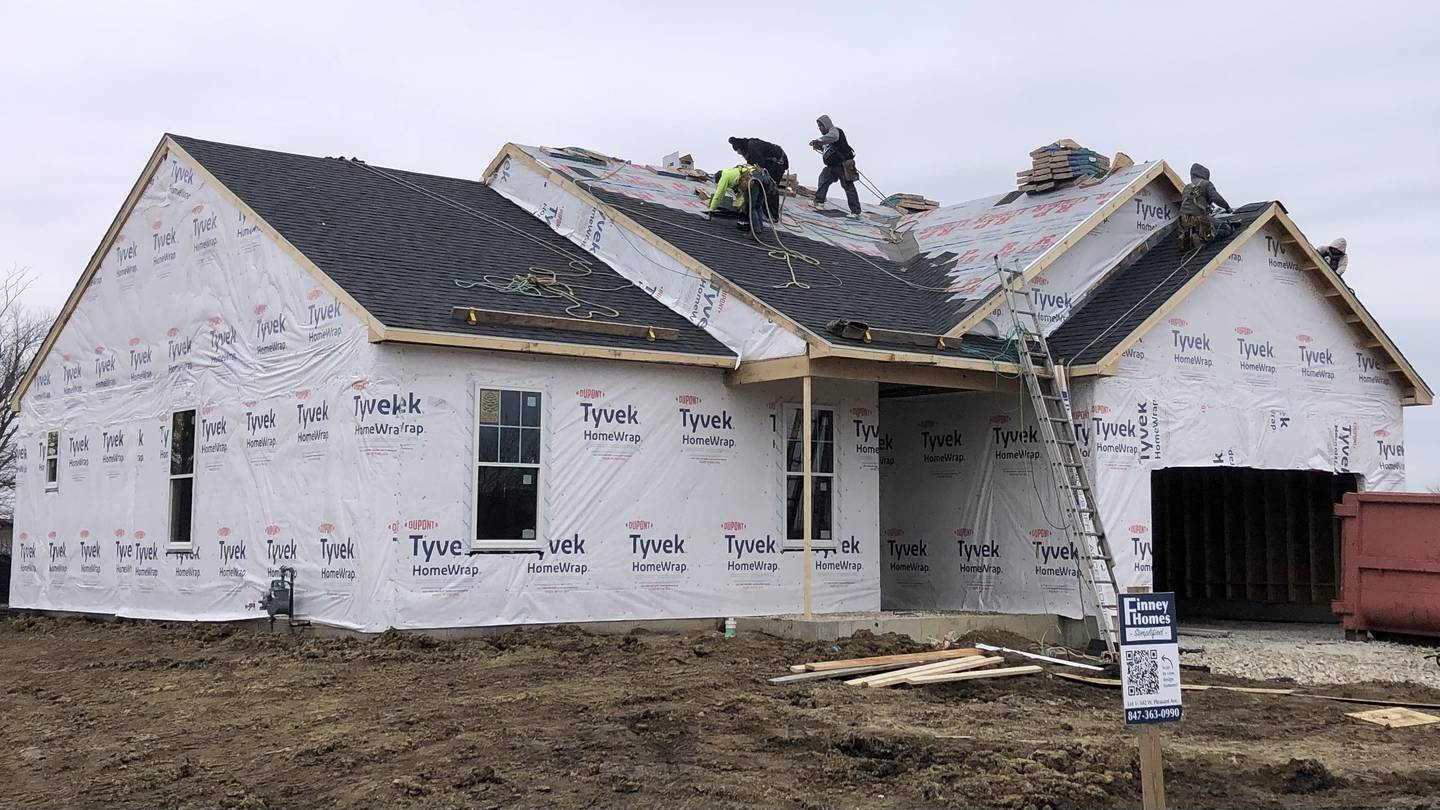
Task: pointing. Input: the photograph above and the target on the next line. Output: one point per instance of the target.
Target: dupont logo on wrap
(204, 228)
(1392, 454)
(1190, 347)
(977, 557)
(655, 552)
(214, 432)
(941, 446)
(163, 244)
(619, 424)
(1141, 546)
(1371, 371)
(323, 315)
(140, 355)
(1278, 256)
(703, 427)
(89, 554)
(868, 441)
(312, 419)
(177, 349)
(338, 557)
(269, 330)
(223, 339)
(136, 556)
(1013, 442)
(387, 415)
(1055, 556)
(1133, 435)
(904, 555)
(1343, 436)
(126, 253)
(1316, 362)
(231, 551)
(106, 365)
(749, 553)
(1256, 356)
(434, 558)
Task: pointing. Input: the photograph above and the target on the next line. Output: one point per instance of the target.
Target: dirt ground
(151, 715)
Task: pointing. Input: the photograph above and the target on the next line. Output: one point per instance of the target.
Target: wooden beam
(499, 344)
(806, 461)
(477, 315)
(779, 368)
(951, 677)
(1076, 234)
(844, 368)
(898, 660)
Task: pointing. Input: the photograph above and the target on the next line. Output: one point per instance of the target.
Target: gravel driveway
(1307, 653)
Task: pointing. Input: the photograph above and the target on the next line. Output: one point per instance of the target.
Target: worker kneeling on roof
(755, 195)
(1197, 224)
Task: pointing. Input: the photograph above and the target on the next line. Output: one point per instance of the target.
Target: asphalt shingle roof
(1123, 301)
(399, 251)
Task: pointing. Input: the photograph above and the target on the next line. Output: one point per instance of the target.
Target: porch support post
(808, 480)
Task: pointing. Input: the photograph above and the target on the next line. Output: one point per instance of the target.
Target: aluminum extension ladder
(1050, 399)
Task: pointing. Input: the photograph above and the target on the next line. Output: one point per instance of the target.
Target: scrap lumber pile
(790, 185)
(684, 166)
(909, 669)
(910, 203)
(1061, 164)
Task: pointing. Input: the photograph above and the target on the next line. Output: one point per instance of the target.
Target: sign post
(1150, 680)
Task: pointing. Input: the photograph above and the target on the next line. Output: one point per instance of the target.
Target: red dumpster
(1390, 562)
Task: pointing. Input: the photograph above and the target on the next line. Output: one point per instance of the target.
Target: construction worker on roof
(764, 154)
(753, 190)
(839, 160)
(1197, 223)
(1334, 255)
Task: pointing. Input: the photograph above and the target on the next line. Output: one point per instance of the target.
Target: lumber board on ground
(945, 668)
(848, 672)
(923, 669)
(950, 677)
(1115, 683)
(1395, 717)
(901, 658)
(1373, 702)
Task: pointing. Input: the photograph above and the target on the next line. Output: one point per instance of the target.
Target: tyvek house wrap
(351, 461)
(748, 332)
(1253, 369)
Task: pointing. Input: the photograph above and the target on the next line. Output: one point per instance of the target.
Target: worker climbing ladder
(1050, 399)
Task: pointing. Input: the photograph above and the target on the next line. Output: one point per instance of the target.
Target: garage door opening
(1239, 543)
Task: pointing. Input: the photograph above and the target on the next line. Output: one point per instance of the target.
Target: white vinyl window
(508, 434)
(822, 476)
(182, 476)
(52, 461)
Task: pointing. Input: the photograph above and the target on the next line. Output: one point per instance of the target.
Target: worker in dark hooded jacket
(1197, 224)
(764, 154)
(839, 160)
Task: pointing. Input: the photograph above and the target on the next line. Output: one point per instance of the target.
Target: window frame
(788, 412)
(51, 484)
(171, 476)
(512, 545)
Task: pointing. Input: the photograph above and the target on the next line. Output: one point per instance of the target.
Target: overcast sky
(1332, 108)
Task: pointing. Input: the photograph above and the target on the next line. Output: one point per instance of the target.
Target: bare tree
(22, 330)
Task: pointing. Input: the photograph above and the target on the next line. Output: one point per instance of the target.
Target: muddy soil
(153, 715)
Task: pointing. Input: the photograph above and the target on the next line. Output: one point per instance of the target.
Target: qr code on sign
(1142, 671)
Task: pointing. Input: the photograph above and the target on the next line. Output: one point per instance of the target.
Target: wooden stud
(594, 327)
(1152, 769)
(901, 659)
(808, 484)
(951, 677)
(499, 344)
(901, 675)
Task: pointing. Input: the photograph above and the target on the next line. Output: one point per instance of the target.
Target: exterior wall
(352, 462)
(1255, 369)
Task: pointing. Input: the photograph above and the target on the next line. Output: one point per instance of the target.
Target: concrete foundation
(918, 625)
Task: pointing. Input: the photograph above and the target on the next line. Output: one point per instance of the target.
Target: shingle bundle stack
(909, 203)
(1061, 164)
